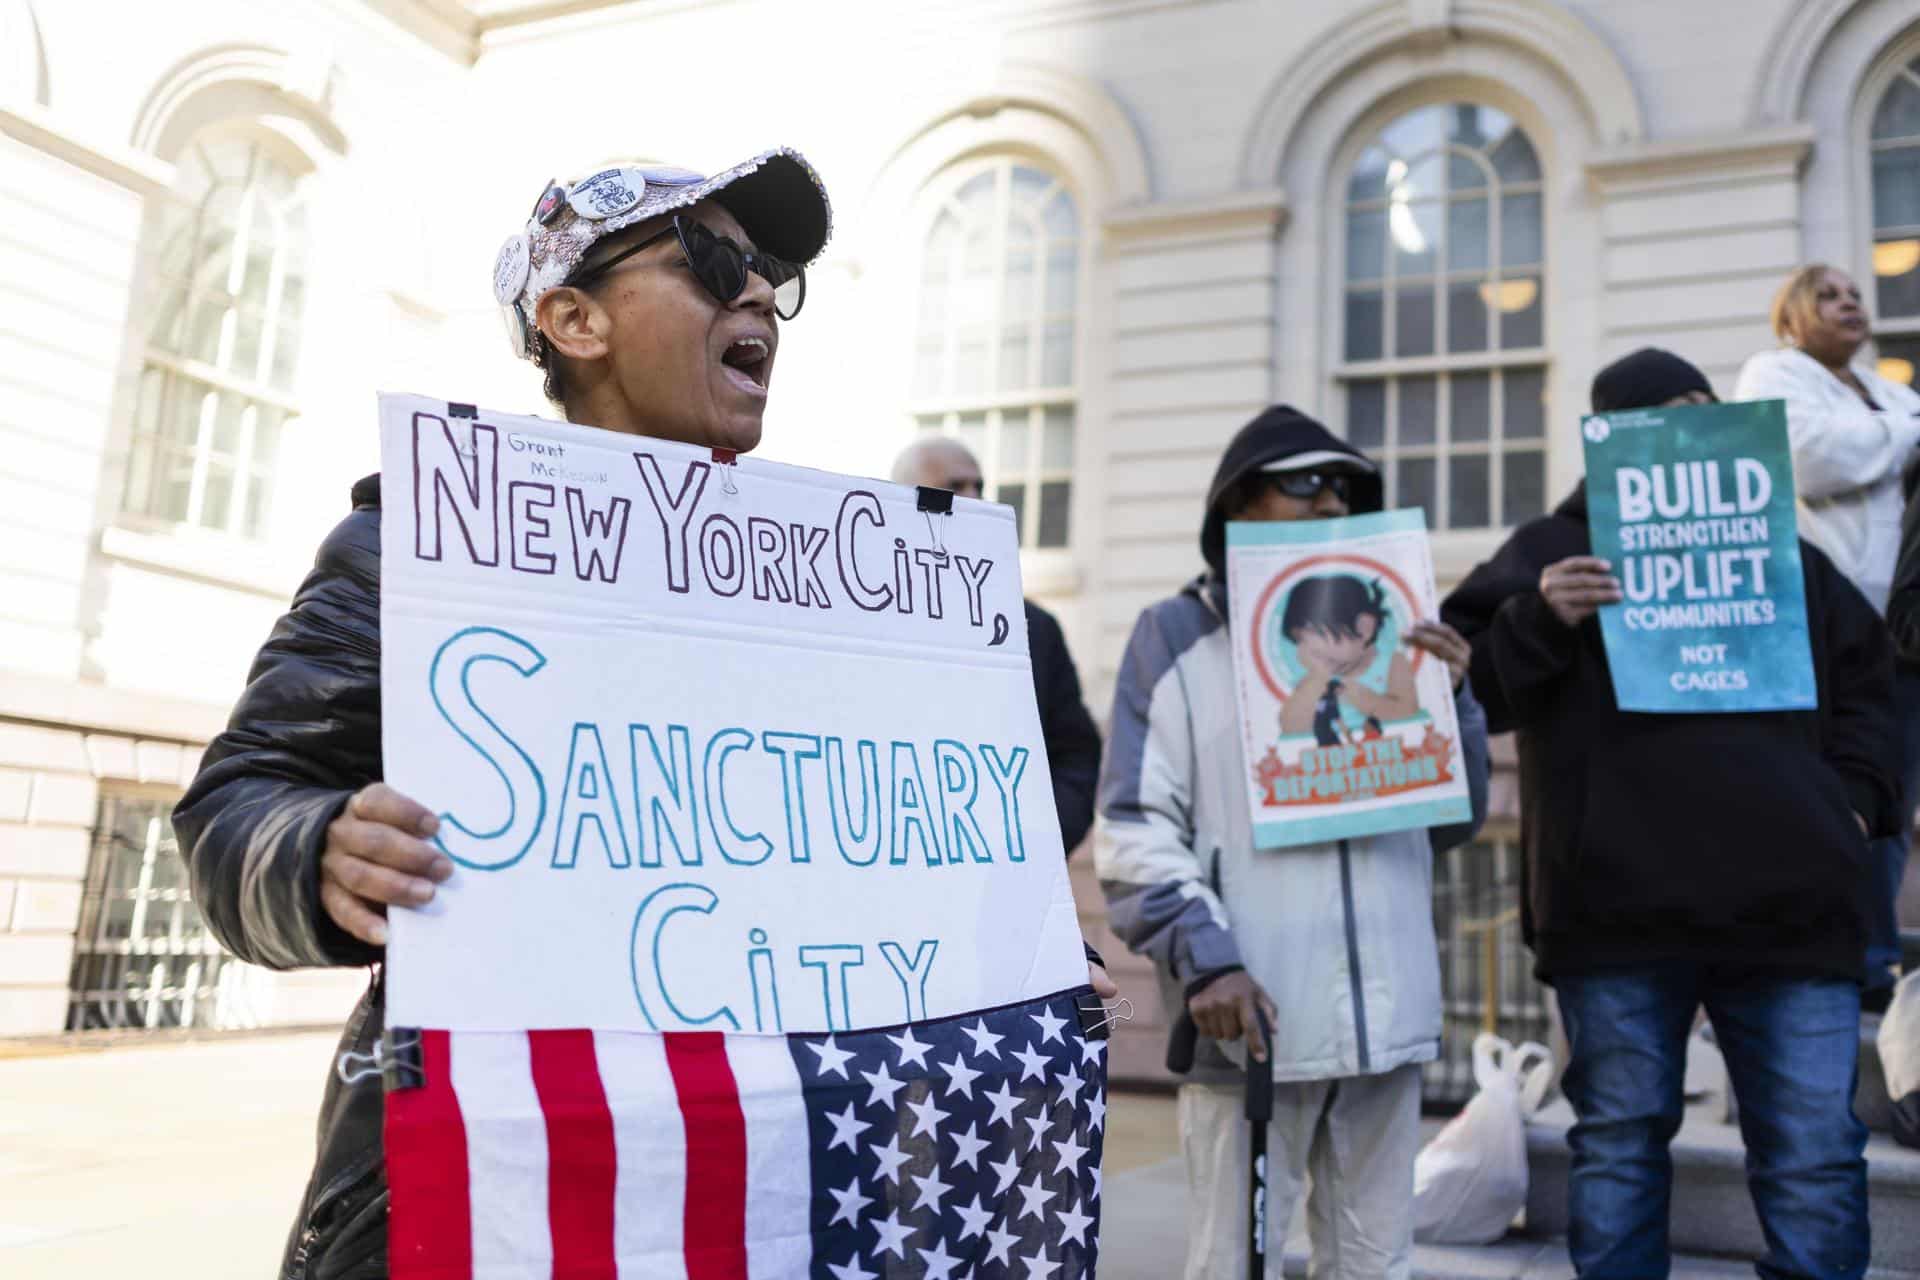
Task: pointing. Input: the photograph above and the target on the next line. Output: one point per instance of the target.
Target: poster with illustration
(1348, 730)
(1693, 506)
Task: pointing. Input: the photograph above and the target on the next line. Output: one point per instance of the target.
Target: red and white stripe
(587, 1155)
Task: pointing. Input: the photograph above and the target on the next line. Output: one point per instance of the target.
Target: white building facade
(1090, 237)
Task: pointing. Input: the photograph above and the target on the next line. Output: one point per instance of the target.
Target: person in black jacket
(651, 298)
(1073, 743)
(1674, 861)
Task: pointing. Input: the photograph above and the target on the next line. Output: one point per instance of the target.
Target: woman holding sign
(652, 298)
(1681, 860)
(1853, 432)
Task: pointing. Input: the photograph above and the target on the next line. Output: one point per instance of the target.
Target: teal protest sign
(1693, 506)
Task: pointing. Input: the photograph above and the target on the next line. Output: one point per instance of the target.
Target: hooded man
(1334, 941)
(1674, 861)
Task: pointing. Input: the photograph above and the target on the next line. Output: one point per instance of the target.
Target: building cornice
(41, 129)
(1236, 212)
(1714, 157)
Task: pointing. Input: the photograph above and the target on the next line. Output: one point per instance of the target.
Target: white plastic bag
(1470, 1182)
(1900, 1038)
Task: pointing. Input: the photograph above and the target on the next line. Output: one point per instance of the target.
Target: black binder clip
(933, 502)
(1096, 1018)
(402, 1065)
(462, 410)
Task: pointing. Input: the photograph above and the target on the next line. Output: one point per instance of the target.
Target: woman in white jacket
(1853, 432)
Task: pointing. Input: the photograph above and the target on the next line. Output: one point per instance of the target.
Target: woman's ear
(574, 323)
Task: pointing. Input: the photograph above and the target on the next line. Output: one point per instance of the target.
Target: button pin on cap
(608, 194)
(550, 203)
(511, 267)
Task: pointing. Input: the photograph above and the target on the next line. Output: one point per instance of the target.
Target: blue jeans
(1791, 1046)
(1887, 862)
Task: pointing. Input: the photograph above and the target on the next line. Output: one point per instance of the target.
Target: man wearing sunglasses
(652, 298)
(1333, 942)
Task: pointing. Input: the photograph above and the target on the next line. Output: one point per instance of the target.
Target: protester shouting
(1334, 942)
(1073, 744)
(1675, 861)
(1853, 432)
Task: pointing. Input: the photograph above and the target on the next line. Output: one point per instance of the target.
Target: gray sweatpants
(1349, 1143)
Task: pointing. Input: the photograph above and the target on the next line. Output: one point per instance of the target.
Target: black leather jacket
(304, 737)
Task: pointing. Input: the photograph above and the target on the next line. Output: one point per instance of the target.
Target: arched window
(1896, 224)
(994, 350)
(1443, 297)
(227, 251)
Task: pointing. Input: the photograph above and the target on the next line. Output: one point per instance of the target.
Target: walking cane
(1259, 1112)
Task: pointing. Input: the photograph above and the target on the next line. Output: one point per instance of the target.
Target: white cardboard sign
(731, 747)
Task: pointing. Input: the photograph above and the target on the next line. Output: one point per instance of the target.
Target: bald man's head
(939, 462)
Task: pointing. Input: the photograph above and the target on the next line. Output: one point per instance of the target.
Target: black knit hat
(1644, 379)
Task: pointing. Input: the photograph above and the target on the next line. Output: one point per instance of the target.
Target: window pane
(1027, 186)
(1524, 413)
(1475, 126)
(1469, 496)
(1369, 180)
(1524, 489)
(1015, 496)
(1056, 356)
(1470, 406)
(1366, 244)
(1363, 324)
(1520, 240)
(1464, 173)
(217, 495)
(1899, 113)
(1016, 293)
(973, 433)
(1521, 313)
(1053, 513)
(1466, 318)
(1367, 413)
(1056, 447)
(1062, 273)
(1419, 417)
(1413, 321)
(1062, 222)
(1015, 352)
(1896, 187)
(1013, 445)
(1416, 487)
(970, 361)
(1899, 360)
(928, 367)
(1466, 235)
(1899, 293)
(1414, 230)
(1514, 160)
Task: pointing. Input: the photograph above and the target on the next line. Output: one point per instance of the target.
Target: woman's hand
(1444, 643)
(377, 856)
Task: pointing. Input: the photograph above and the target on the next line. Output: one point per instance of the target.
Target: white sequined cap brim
(777, 197)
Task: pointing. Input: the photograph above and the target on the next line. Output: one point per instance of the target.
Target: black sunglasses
(1307, 485)
(720, 265)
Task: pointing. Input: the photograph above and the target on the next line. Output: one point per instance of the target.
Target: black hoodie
(1281, 432)
(1725, 839)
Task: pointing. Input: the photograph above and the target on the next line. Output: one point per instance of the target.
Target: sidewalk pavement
(185, 1162)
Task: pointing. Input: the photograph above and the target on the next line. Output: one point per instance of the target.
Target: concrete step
(1521, 1258)
(1712, 1211)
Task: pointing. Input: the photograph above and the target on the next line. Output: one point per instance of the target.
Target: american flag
(961, 1149)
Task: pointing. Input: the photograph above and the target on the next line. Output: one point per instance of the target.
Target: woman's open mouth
(748, 361)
